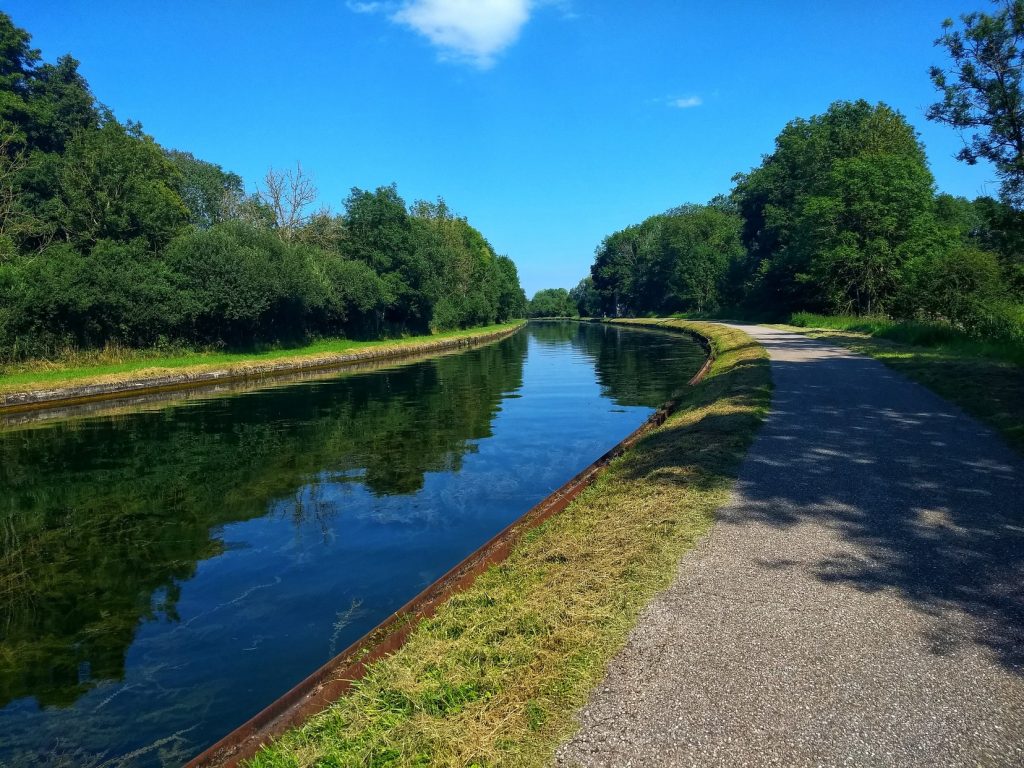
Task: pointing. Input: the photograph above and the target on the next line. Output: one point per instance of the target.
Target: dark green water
(167, 571)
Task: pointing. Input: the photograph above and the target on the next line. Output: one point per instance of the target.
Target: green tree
(117, 184)
(818, 235)
(552, 302)
(209, 192)
(700, 242)
(586, 298)
(981, 91)
(512, 302)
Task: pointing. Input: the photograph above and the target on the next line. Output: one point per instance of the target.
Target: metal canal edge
(331, 681)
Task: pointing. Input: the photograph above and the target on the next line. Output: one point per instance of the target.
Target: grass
(919, 334)
(986, 379)
(115, 365)
(496, 676)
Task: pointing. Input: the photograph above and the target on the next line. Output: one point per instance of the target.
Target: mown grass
(986, 379)
(496, 676)
(120, 364)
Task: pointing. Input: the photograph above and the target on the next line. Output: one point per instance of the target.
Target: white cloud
(472, 30)
(686, 103)
(357, 7)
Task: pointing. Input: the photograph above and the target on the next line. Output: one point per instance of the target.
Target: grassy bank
(938, 336)
(495, 677)
(986, 379)
(119, 365)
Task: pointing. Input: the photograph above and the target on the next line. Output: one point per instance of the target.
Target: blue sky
(548, 123)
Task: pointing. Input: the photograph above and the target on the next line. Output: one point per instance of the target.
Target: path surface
(859, 602)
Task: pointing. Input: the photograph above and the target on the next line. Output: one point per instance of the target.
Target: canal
(168, 568)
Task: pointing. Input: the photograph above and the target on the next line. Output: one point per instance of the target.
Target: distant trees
(842, 217)
(673, 262)
(552, 302)
(106, 237)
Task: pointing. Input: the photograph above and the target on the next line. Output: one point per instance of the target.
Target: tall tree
(117, 184)
(833, 212)
(982, 91)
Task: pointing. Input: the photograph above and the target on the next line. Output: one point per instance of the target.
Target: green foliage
(841, 218)
(982, 92)
(675, 262)
(552, 302)
(238, 284)
(107, 238)
(832, 214)
(586, 298)
(208, 191)
(115, 183)
(63, 298)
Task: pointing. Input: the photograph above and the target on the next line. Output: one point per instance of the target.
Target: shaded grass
(117, 364)
(496, 676)
(985, 385)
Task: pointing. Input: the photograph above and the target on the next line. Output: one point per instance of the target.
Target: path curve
(860, 601)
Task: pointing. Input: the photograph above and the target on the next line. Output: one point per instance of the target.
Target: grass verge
(496, 676)
(939, 336)
(982, 378)
(117, 366)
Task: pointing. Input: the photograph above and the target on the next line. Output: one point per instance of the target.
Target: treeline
(106, 237)
(842, 218)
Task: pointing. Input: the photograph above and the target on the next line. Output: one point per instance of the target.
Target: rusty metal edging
(327, 684)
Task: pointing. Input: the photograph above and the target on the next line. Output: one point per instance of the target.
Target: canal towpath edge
(858, 601)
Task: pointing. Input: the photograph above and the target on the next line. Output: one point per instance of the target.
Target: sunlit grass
(497, 675)
(985, 379)
(117, 363)
(939, 336)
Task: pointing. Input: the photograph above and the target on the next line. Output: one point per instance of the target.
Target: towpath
(859, 602)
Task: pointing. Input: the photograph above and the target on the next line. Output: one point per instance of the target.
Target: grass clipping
(496, 676)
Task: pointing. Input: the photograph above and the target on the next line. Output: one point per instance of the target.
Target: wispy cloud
(357, 7)
(474, 31)
(686, 103)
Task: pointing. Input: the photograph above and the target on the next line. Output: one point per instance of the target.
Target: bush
(240, 285)
(117, 293)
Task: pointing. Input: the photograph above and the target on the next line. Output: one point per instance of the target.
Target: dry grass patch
(496, 676)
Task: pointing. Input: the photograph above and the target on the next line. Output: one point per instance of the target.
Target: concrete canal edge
(76, 394)
(331, 681)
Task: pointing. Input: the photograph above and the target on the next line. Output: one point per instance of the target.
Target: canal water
(169, 569)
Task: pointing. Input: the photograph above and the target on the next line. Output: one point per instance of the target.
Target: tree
(700, 242)
(209, 192)
(552, 302)
(512, 302)
(288, 195)
(982, 93)
(117, 184)
(586, 298)
(832, 213)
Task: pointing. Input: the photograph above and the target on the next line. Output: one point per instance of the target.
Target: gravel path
(859, 602)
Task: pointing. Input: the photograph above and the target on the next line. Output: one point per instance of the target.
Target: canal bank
(181, 564)
(150, 380)
(496, 674)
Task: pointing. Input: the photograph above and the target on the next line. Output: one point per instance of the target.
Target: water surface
(166, 571)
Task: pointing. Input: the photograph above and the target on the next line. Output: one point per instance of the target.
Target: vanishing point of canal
(171, 566)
